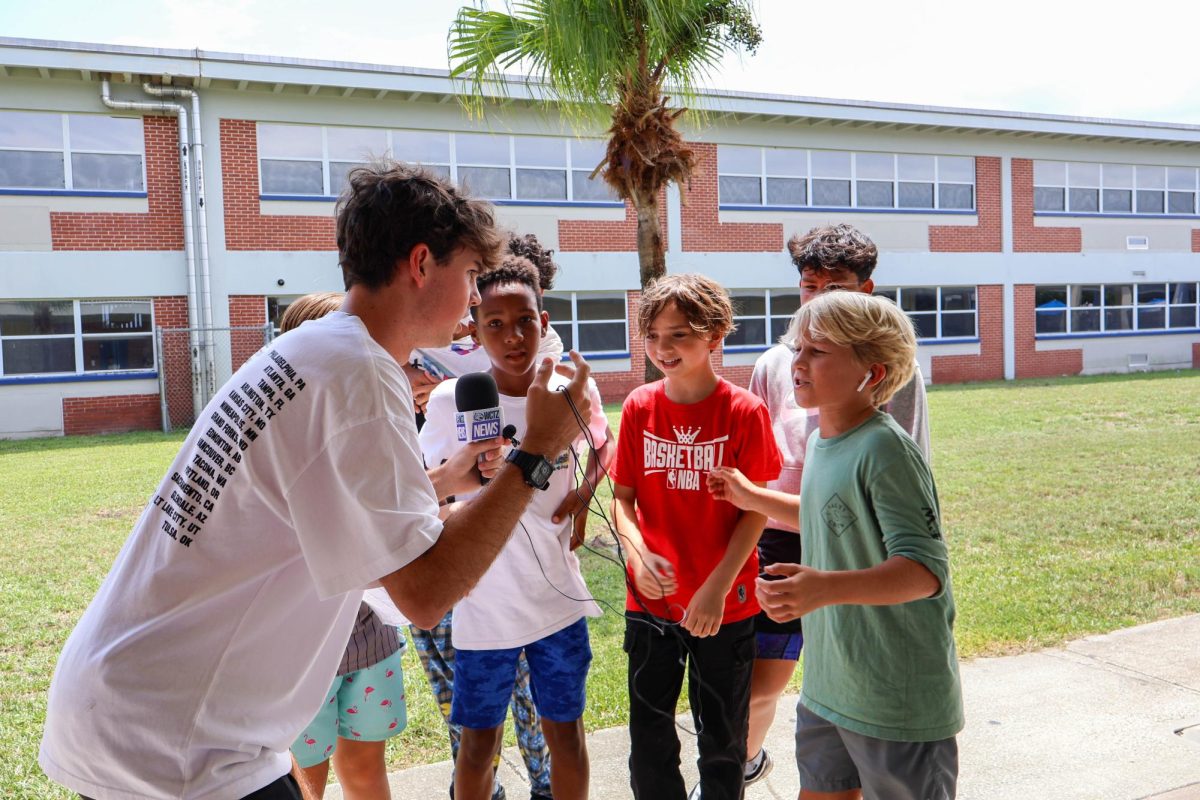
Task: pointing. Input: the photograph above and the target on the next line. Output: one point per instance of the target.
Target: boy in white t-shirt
(533, 599)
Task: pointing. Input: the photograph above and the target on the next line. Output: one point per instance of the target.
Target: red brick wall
(986, 235)
(608, 236)
(114, 414)
(1196, 240)
(1196, 355)
(1027, 238)
(245, 227)
(246, 310)
(161, 228)
(176, 366)
(702, 229)
(1029, 362)
(989, 364)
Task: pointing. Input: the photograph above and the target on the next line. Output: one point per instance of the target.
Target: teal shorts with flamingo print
(367, 706)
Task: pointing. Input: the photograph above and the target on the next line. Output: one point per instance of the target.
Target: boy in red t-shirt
(691, 558)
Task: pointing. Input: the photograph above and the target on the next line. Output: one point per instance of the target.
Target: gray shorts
(833, 759)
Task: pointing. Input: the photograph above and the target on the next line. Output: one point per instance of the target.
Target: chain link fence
(194, 362)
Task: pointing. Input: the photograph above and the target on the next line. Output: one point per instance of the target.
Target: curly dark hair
(529, 247)
(512, 269)
(834, 247)
(390, 207)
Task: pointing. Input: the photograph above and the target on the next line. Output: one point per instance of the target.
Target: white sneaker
(761, 770)
(694, 794)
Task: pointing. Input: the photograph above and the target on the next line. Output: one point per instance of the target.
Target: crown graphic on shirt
(687, 436)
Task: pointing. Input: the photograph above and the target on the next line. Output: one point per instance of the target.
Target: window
(789, 177)
(276, 306)
(937, 312)
(1081, 188)
(313, 161)
(71, 152)
(40, 337)
(761, 316)
(592, 323)
(1114, 308)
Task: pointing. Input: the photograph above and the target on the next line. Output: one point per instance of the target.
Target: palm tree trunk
(652, 257)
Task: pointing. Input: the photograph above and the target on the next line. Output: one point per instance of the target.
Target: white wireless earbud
(865, 380)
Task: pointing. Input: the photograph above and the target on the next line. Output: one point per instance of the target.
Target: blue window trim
(1102, 215)
(89, 377)
(748, 348)
(1049, 337)
(309, 198)
(597, 356)
(952, 212)
(70, 193)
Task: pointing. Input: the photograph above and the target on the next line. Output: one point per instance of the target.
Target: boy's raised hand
(703, 615)
(654, 576)
(550, 422)
(730, 485)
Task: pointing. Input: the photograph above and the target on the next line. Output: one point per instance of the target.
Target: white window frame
(938, 313)
(453, 166)
(1133, 188)
(769, 315)
(1133, 306)
(763, 175)
(572, 325)
(79, 337)
(67, 151)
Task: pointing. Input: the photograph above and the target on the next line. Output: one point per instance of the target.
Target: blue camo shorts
(367, 706)
(558, 668)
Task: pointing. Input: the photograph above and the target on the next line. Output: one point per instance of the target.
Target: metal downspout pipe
(202, 270)
(194, 322)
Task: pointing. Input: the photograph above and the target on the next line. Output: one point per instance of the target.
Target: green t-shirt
(890, 672)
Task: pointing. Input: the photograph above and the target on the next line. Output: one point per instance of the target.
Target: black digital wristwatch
(536, 469)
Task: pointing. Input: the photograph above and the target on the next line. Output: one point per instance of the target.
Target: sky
(1101, 58)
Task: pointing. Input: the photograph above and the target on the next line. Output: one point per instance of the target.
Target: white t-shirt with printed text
(534, 587)
(217, 633)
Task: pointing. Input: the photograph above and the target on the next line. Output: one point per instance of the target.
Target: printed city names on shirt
(187, 498)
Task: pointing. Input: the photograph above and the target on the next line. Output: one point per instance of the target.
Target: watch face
(542, 472)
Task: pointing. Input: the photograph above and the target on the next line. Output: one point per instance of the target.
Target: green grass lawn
(1071, 507)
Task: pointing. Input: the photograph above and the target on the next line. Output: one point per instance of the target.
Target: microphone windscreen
(476, 390)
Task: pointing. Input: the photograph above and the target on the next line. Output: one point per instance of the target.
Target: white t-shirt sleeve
(364, 507)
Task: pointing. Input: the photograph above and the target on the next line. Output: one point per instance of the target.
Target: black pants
(283, 788)
(718, 670)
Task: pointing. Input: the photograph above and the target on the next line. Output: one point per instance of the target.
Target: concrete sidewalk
(1098, 719)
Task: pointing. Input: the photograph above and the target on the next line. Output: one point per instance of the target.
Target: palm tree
(612, 55)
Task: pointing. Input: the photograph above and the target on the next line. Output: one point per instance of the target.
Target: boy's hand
(654, 576)
(576, 501)
(422, 384)
(792, 596)
(550, 423)
(703, 615)
(730, 485)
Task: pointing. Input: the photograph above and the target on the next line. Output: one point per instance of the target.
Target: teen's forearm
(897, 580)
(774, 504)
(428, 586)
(742, 542)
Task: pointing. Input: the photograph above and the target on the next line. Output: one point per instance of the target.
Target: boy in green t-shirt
(881, 702)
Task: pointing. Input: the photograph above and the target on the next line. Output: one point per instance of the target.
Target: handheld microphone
(477, 401)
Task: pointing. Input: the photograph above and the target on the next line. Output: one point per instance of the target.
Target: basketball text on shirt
(685, 460)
